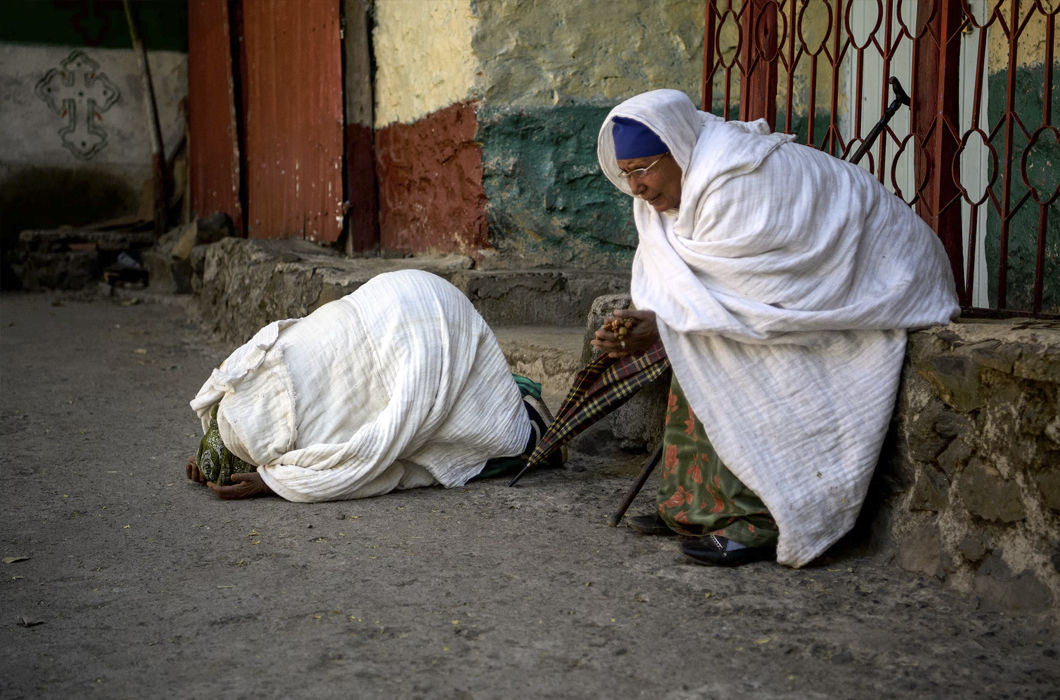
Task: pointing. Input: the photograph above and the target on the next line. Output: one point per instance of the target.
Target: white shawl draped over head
(399, 384)
(783, 286)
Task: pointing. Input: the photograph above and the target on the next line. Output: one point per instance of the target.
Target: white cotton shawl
(399, 384)
(782, 286)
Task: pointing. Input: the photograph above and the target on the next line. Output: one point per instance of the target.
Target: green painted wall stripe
(548, 200)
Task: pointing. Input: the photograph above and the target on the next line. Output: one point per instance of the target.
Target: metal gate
(977, 153)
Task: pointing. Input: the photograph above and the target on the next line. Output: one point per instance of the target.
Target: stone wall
(968, 490)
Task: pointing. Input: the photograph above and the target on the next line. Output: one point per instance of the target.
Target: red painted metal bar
(937, 108)
(831, 140)
(1006, 177)
(728, 75)
(758, 84)
(708, 56)
(888, 52)
(945, 183)
(1047, 119)
(789, 83)
(859, 87)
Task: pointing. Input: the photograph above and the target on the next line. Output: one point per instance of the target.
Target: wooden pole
(158, 154)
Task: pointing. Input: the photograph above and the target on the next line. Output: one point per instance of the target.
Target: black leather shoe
(710, 550)
(650, 525)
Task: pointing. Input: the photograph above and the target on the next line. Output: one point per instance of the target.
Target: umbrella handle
(649, 466)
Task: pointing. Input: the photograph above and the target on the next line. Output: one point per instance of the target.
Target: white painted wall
(113, 136)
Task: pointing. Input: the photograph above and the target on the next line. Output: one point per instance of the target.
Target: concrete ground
(120, 579)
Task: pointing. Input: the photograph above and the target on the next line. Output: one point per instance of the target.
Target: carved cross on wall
(78, 92)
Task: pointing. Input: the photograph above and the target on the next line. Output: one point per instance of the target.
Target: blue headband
(634, 140)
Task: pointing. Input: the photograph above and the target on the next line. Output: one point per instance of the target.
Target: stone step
(244, 284)
(550, 355)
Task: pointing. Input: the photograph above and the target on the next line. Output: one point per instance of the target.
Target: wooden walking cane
(649, 467)
(158, 151)
(900, 98)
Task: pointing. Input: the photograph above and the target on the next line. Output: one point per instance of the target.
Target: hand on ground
(244, 485)
(639, 337)
(193, 472)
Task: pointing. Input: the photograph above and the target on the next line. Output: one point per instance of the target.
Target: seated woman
(397, 385)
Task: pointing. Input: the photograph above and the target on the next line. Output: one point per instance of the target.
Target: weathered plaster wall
(74, 147)
(429, 164)
(548, 54)
(82, 110)
(430, 184)
(539, 78)
(549, 74)
(424, 60)
(548, 202)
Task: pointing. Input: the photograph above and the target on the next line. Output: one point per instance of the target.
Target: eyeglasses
(641, 172)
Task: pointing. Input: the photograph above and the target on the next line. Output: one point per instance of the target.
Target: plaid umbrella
(605, 384)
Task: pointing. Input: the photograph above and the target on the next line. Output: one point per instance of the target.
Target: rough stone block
(955, 456)
(1049, 486)
(950, 425)
(187, 237)
(987, 494)
(74, 269)
(1037, 408)
(536, 297)
(197, 261)
(956, 378)
(1052, 431)
(1001, 589)
(1038, 363)
(164, 274)
(995, 355)
(973, 546)
(921, 551)
(929, 491)
(923, 441)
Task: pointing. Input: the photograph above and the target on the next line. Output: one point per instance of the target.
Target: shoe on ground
(650, 525)
(714, 550)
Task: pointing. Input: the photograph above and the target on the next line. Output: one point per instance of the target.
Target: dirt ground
(121, 579)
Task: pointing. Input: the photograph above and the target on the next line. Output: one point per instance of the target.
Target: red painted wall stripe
(430, 173)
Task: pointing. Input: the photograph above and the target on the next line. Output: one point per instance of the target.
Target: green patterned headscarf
(216, 463)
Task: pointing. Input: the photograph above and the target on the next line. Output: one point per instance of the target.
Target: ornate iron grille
(977, 152)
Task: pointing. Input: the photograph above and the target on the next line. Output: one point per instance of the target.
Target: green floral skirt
(698, 495)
